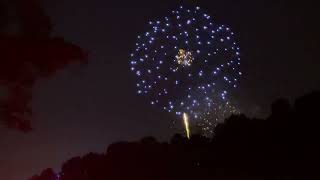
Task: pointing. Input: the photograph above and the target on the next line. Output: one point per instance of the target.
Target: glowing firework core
(184, 57)
(186, 124)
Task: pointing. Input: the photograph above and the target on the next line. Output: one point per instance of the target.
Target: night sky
(85, 107)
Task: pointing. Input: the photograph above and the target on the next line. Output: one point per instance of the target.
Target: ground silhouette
(283, 146)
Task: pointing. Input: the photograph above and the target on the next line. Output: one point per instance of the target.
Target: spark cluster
(184, 58)
(186, 63)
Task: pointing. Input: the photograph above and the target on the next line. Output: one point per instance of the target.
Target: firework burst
(186, 63)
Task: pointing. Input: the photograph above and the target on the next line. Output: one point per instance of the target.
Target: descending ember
(186, 124)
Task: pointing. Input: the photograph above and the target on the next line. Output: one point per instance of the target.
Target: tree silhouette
(28, 52)
(283, 146)
(47, 174)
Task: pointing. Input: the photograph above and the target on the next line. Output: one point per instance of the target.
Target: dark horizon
(278, 147)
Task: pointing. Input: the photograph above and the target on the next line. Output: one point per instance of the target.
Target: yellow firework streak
(186, 124)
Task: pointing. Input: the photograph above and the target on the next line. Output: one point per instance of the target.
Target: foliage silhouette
(28, 52)
(283, 146)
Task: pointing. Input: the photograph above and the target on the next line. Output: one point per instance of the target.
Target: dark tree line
(283, 146)
(28, 52)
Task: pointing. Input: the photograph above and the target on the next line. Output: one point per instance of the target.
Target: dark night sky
(86, 107)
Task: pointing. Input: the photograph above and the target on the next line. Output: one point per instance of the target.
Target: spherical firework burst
(186, 63)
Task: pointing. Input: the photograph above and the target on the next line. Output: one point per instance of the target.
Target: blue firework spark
(186, 63)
